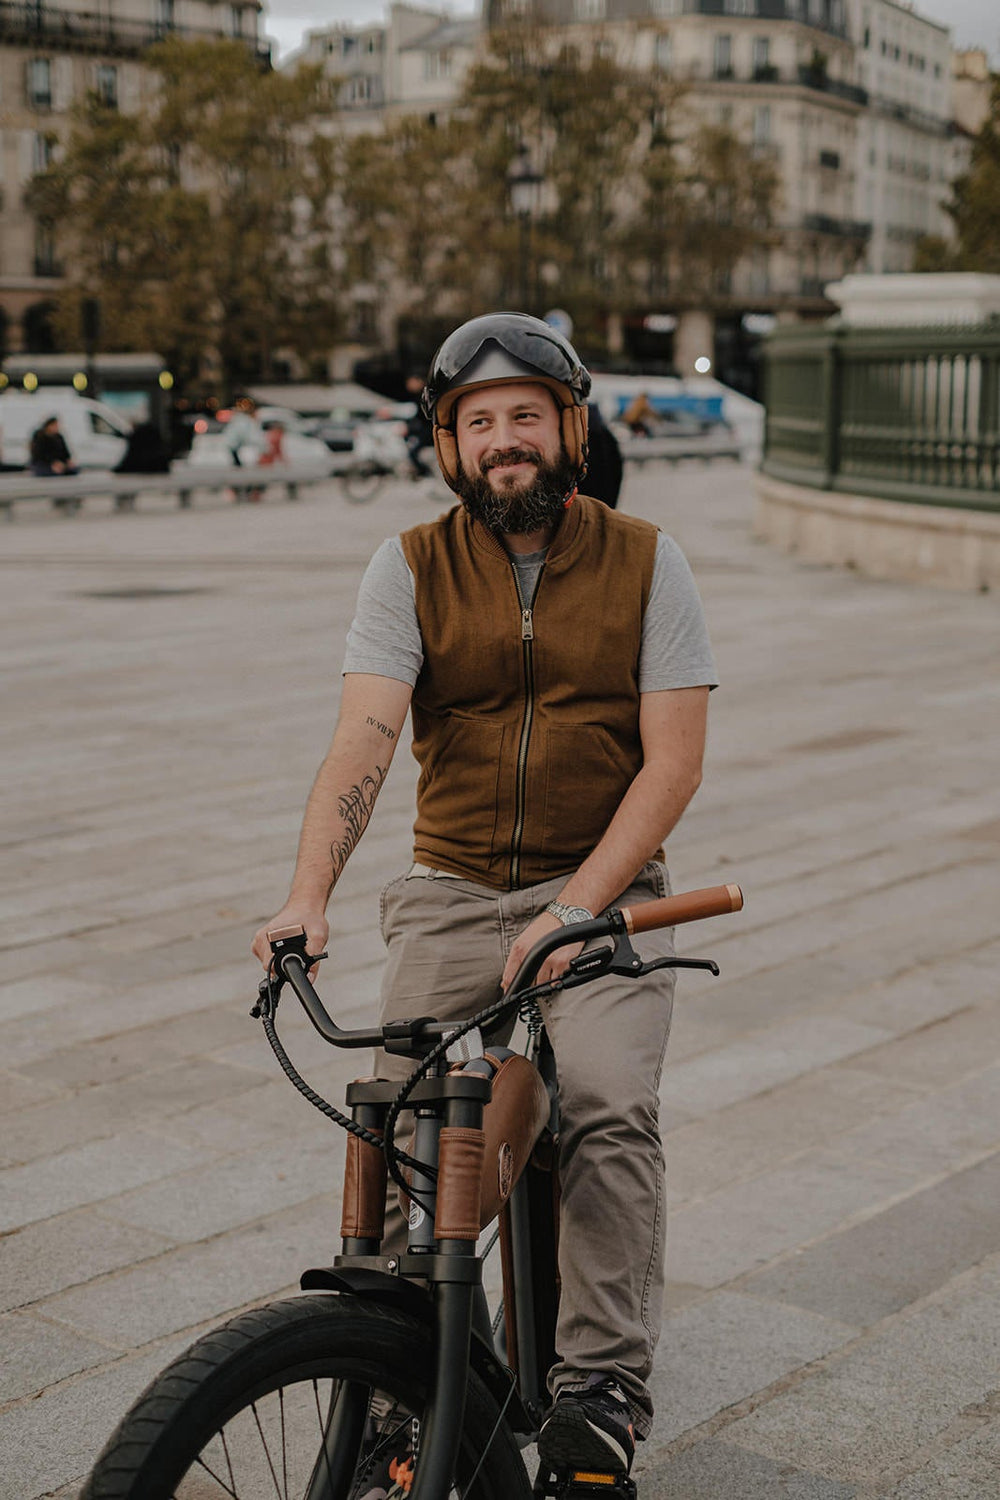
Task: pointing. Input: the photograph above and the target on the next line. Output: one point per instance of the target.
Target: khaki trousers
(448, 940)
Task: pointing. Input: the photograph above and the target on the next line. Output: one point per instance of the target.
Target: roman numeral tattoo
(390, 734)
(355, 808)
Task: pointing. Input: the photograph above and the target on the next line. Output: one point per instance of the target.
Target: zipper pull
(527, 630)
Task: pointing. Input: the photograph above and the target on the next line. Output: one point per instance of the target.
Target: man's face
(514, 471)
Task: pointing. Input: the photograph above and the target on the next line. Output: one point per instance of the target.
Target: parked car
(95, 434)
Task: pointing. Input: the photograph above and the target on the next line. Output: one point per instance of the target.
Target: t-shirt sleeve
(675, 650)
(384, 638)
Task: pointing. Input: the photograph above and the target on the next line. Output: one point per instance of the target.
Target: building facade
(51, 55)
(414, 63)
(851, 100)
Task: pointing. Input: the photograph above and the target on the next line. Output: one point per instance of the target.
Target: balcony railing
(847, 229)
(801, 77)
(903, 413)
(81, 31)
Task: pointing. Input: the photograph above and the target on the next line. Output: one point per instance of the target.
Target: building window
(361, 89)
(437, 64)
(165, 14)
(762, 125)
(761, 56)
(666, 7)
(739, 7)
(664, 52)
(106, 85)
(830, 159)
(39, 85)
(41, 152)
(722, 57)
(46, 263)
(590, 10)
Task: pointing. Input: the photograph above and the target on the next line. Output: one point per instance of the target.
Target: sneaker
(387, 1473)
(589, 1428)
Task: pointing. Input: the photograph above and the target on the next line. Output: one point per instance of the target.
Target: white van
(95, 434)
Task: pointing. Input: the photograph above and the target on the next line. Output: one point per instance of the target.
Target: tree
(627, 207)
(974, 208)
(200, 222)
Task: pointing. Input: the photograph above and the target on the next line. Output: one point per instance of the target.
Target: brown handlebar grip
(688, 906)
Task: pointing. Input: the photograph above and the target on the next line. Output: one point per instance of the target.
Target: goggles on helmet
(534, 350)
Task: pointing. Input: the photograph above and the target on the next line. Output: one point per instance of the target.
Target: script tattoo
(355, 808)
(390, 734)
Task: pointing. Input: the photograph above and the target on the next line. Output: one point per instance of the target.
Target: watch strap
(569, 914)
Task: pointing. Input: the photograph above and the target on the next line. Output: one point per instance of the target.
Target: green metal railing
(905, 413)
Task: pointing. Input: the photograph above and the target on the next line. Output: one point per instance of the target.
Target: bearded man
(554, 657)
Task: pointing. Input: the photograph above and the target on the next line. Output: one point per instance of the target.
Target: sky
(975, 23)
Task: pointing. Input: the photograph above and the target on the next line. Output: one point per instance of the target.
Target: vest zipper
(527, 638)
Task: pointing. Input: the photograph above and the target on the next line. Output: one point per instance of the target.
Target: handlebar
(293, 962)
(689, 906)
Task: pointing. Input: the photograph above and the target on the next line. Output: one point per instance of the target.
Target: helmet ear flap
(446, 448)
(574, 433)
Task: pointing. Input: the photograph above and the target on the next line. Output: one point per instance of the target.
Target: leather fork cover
(363, 1215)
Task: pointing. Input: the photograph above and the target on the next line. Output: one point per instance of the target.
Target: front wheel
(305, 1398)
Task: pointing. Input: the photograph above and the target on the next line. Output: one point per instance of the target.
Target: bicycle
(362, 479)
(305, 1397)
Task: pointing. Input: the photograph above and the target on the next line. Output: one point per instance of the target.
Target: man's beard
(518, 508)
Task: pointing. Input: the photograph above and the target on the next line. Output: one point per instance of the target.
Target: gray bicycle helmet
(499, 349)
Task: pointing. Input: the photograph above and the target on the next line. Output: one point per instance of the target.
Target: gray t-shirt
(384, 638)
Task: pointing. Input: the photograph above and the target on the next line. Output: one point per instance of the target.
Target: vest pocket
(587, 773)
(458, 791)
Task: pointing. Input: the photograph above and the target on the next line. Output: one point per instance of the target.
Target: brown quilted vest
(526, 717)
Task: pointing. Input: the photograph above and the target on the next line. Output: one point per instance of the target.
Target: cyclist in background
(554, 657)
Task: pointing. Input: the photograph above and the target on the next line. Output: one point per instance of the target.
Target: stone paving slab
(830, 1103)
(898, 1256)
(863, 1416)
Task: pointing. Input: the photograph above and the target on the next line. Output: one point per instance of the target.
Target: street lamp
(525, 186)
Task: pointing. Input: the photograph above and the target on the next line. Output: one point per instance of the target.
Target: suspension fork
(454, 1272)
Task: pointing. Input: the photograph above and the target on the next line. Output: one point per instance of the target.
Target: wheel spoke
(323, 1427)
(284, 1443)
(267, 1451)
(212, 1475)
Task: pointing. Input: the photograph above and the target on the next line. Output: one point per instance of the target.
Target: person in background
(49, 453)
(603, 478)
(243, 431)
(419, 433)
(146, 453)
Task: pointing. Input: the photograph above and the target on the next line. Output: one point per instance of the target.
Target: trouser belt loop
(427, 872)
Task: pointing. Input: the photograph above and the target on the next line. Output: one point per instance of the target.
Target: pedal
(582, 1484)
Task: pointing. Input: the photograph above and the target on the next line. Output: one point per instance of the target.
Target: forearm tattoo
(355, 808)
(390, 734)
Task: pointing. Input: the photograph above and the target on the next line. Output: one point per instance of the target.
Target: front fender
(401, 1293)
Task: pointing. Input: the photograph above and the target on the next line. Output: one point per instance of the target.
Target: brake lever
(286, 940)
(623, 959)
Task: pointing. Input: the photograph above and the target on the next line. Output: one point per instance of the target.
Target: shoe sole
(569, 1440)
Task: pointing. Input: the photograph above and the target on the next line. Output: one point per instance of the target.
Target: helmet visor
(528, 340)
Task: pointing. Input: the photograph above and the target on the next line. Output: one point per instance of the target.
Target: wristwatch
(569, 914)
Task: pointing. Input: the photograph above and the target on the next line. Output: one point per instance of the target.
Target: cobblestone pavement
(831, 1104)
